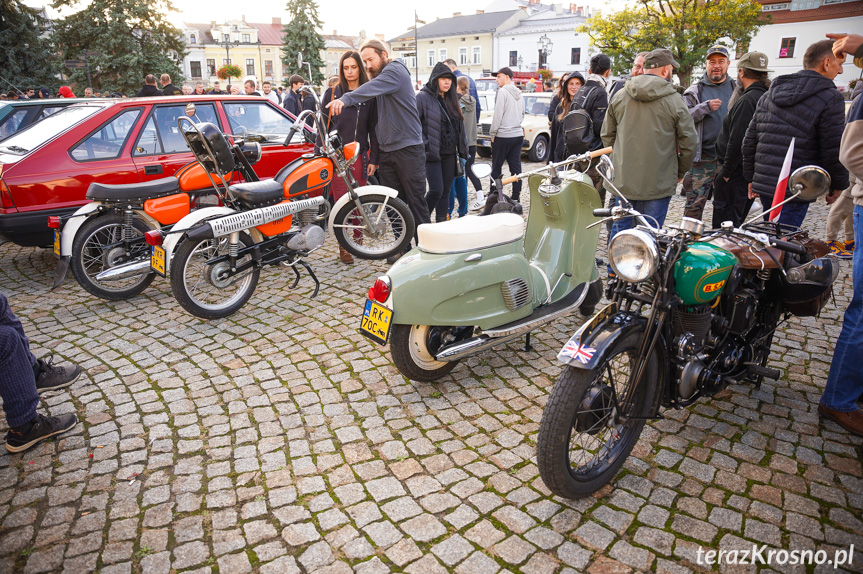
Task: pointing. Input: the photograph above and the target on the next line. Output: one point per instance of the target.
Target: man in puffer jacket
(806, 106)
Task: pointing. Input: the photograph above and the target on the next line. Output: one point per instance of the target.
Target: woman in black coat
(553, 110)
(443, 135)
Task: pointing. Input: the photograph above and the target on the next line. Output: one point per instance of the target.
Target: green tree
(26, 58)
(133, 38)
(687, 27)
(301, 35)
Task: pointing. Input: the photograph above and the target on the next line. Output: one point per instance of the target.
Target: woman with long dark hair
(355, 123)
(443, 135)
(570, 87)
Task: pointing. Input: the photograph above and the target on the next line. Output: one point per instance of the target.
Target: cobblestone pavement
(280, 441)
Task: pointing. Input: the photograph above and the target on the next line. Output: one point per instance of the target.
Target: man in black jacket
(593, 99)
(730, 189)
(296, 103)
(149, 88)
(805, 106)
(169, 89)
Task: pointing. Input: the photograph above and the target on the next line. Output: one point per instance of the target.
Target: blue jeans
(845, 381)
(793, 212)
(655, 208)
(17, 364)
(459, 191)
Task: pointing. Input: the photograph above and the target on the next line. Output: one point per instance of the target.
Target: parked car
(537, 133)
(46, 169)
(18, 114)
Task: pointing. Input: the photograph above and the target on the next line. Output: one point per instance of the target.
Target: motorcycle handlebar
(788, 246)
(571, 159)
(602, 212)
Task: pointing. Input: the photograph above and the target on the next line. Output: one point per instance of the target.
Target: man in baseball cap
(660, 58)
(707, 101)
(730, 189)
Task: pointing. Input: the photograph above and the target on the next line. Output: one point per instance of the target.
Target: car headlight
(632, 255)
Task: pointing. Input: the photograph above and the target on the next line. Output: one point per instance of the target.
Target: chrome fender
(361, 191)
(177, 232)
(73, 224)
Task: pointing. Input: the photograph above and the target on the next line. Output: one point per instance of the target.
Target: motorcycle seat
(470, 233)
(749, 259)
(258, 193)
(133, 191)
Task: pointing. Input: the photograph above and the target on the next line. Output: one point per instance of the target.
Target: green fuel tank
(701, 273)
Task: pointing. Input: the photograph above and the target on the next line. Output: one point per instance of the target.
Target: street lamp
(544, 45)
(227, 43)
(417, 22)
(520, 63)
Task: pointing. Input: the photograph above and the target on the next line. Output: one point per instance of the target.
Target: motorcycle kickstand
(314, 278)
(297, 280)
(527, 346)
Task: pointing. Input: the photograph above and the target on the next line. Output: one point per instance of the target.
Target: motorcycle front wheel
(205, 290)
(390, 215)
(413, 348)
(585, 433)
(98, 246)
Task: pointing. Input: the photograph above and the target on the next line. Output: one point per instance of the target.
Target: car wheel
(483, 152)
(539, 151)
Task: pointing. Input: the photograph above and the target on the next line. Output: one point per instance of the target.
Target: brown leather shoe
(345, 257)
(852, 421)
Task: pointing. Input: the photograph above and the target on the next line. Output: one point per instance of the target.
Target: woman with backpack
(443, 135)
(565, 93)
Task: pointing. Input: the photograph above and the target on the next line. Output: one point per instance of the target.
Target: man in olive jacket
(654, 123)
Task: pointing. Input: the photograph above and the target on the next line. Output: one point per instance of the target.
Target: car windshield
(260, 119)
(32, 137)
(488, 84)
(536, 105)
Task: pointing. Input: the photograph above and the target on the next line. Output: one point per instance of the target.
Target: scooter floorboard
(546, 312)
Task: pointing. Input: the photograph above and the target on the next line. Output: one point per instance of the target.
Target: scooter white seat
(470, 233)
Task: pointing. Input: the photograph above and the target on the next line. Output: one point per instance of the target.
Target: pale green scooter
(476, 282)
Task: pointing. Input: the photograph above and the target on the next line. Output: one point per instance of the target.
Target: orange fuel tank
(193, 177)
(306, 175)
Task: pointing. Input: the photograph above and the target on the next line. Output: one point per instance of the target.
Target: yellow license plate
(56, 242)
(157, 260)
(376, 322)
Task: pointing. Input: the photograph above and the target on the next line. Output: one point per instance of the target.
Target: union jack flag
(578, 351)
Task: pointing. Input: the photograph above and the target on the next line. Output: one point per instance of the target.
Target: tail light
(5, 197)
(54, 221)
(351, 151)
(380, 291)
(153, 237)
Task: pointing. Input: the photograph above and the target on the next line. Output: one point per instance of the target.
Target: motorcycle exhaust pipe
(124, 271)
(463, 349)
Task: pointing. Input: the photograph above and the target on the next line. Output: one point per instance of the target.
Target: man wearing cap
(707, 101)
(655, 123)
(506, 132)
(730, 189)
(637, 70)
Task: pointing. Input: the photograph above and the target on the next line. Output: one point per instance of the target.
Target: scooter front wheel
(413, 348)
(586, 434)
(209, 290)
(99, 246)
(392, 219)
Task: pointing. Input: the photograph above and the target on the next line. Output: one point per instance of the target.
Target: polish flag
(782, 185)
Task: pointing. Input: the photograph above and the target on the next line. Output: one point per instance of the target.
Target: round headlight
(632, 255)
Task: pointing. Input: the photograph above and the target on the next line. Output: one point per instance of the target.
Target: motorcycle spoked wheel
(412, 348)
(391, 213)
(202, 289)
(98, 247)
(583, 440)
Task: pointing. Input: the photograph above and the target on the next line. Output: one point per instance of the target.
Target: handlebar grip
(602, 212)
(600, 152)
(788, 246)
(511, 179)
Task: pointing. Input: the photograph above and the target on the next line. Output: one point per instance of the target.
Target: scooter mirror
(300, 60)
(810, 182)
(190, 109)
(481, 170)
(606, 168)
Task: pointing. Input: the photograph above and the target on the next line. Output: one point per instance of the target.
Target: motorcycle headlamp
(633, 255)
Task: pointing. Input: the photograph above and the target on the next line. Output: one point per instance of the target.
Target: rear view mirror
(606, 168)
(481, 169)
(190, 109)
(810, 181)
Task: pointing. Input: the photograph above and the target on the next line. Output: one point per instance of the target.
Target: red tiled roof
(268, 33)
(828, 12)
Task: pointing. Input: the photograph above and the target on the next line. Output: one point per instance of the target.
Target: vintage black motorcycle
(691, 312)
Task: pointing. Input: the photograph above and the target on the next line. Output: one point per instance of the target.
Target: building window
(409, 61)
(226, 61)
(442, 55)
(786, 47)
(192, 39)
(477, 55)
(195, 68)
(575, 57)
(462, 56)
(246, 38)
(775, 7)
(250, 67)
(431, 60)
(211, 67)
(268, 68)
(284, 70)
(513, 58)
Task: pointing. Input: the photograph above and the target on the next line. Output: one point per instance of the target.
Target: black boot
(51, 377)
(40, 428)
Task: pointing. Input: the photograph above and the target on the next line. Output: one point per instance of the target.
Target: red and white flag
(782, 184)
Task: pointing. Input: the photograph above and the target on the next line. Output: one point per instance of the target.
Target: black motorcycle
(691, 312)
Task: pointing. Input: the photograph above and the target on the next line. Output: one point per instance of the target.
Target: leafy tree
(687, 27)
(133, 39)
(301, 35)
(26, 57)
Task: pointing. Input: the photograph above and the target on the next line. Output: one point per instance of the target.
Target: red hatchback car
(46, 169)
